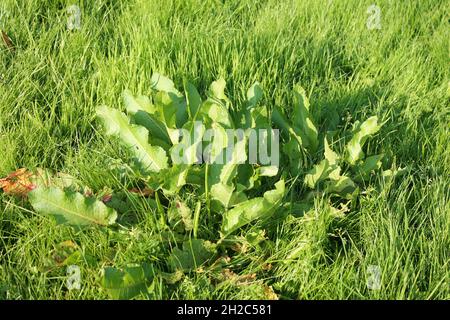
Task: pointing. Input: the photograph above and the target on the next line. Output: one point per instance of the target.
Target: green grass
(52, 83)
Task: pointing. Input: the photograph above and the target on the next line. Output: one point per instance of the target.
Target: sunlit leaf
(129, 282)
(368, 165)
(143, 116)
(317, 173)
(71, 208)
(217, 90)
(342, 185)
(151, 158)
(254, 95)
(250, 210)
(363, 131)
(194, 253)
(302, 120)
(193, 99)
(162, 83)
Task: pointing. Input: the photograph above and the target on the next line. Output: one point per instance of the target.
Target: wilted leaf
(145, 192)
(66, 253)
(18, 183)
(7, 41)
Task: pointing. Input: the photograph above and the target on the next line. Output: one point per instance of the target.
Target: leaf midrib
(72, 212)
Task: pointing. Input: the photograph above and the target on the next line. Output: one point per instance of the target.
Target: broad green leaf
(252, 116)
(246, 175)
(141, 103)
(171, 180)
(254, 95)
(354, 147)
(250, 210)
(329, 154)
(217, 90)
(281, 121)
(302, 120)
(215, 143)
(238, 196)
(259, 118)
(143, 117)
(194, 100)
(342, 185)
(127, 283)
(317, 173)
(390, 174)
(213, 112)
(173, 109)
(299, 209)
(71, 208)
(332, 158)
(296, 156)
(268, 171)
(170, 101)
(195, 252)
(368, 165)
(150, 158)
(294, 147)
(162, 83)
(328, 168)
(220, 176)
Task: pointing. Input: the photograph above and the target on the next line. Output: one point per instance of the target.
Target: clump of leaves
(203, 188)
(150, 131)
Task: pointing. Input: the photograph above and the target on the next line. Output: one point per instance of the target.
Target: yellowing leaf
(18, 183)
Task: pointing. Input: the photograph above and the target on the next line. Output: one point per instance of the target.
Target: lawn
(392, 243)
